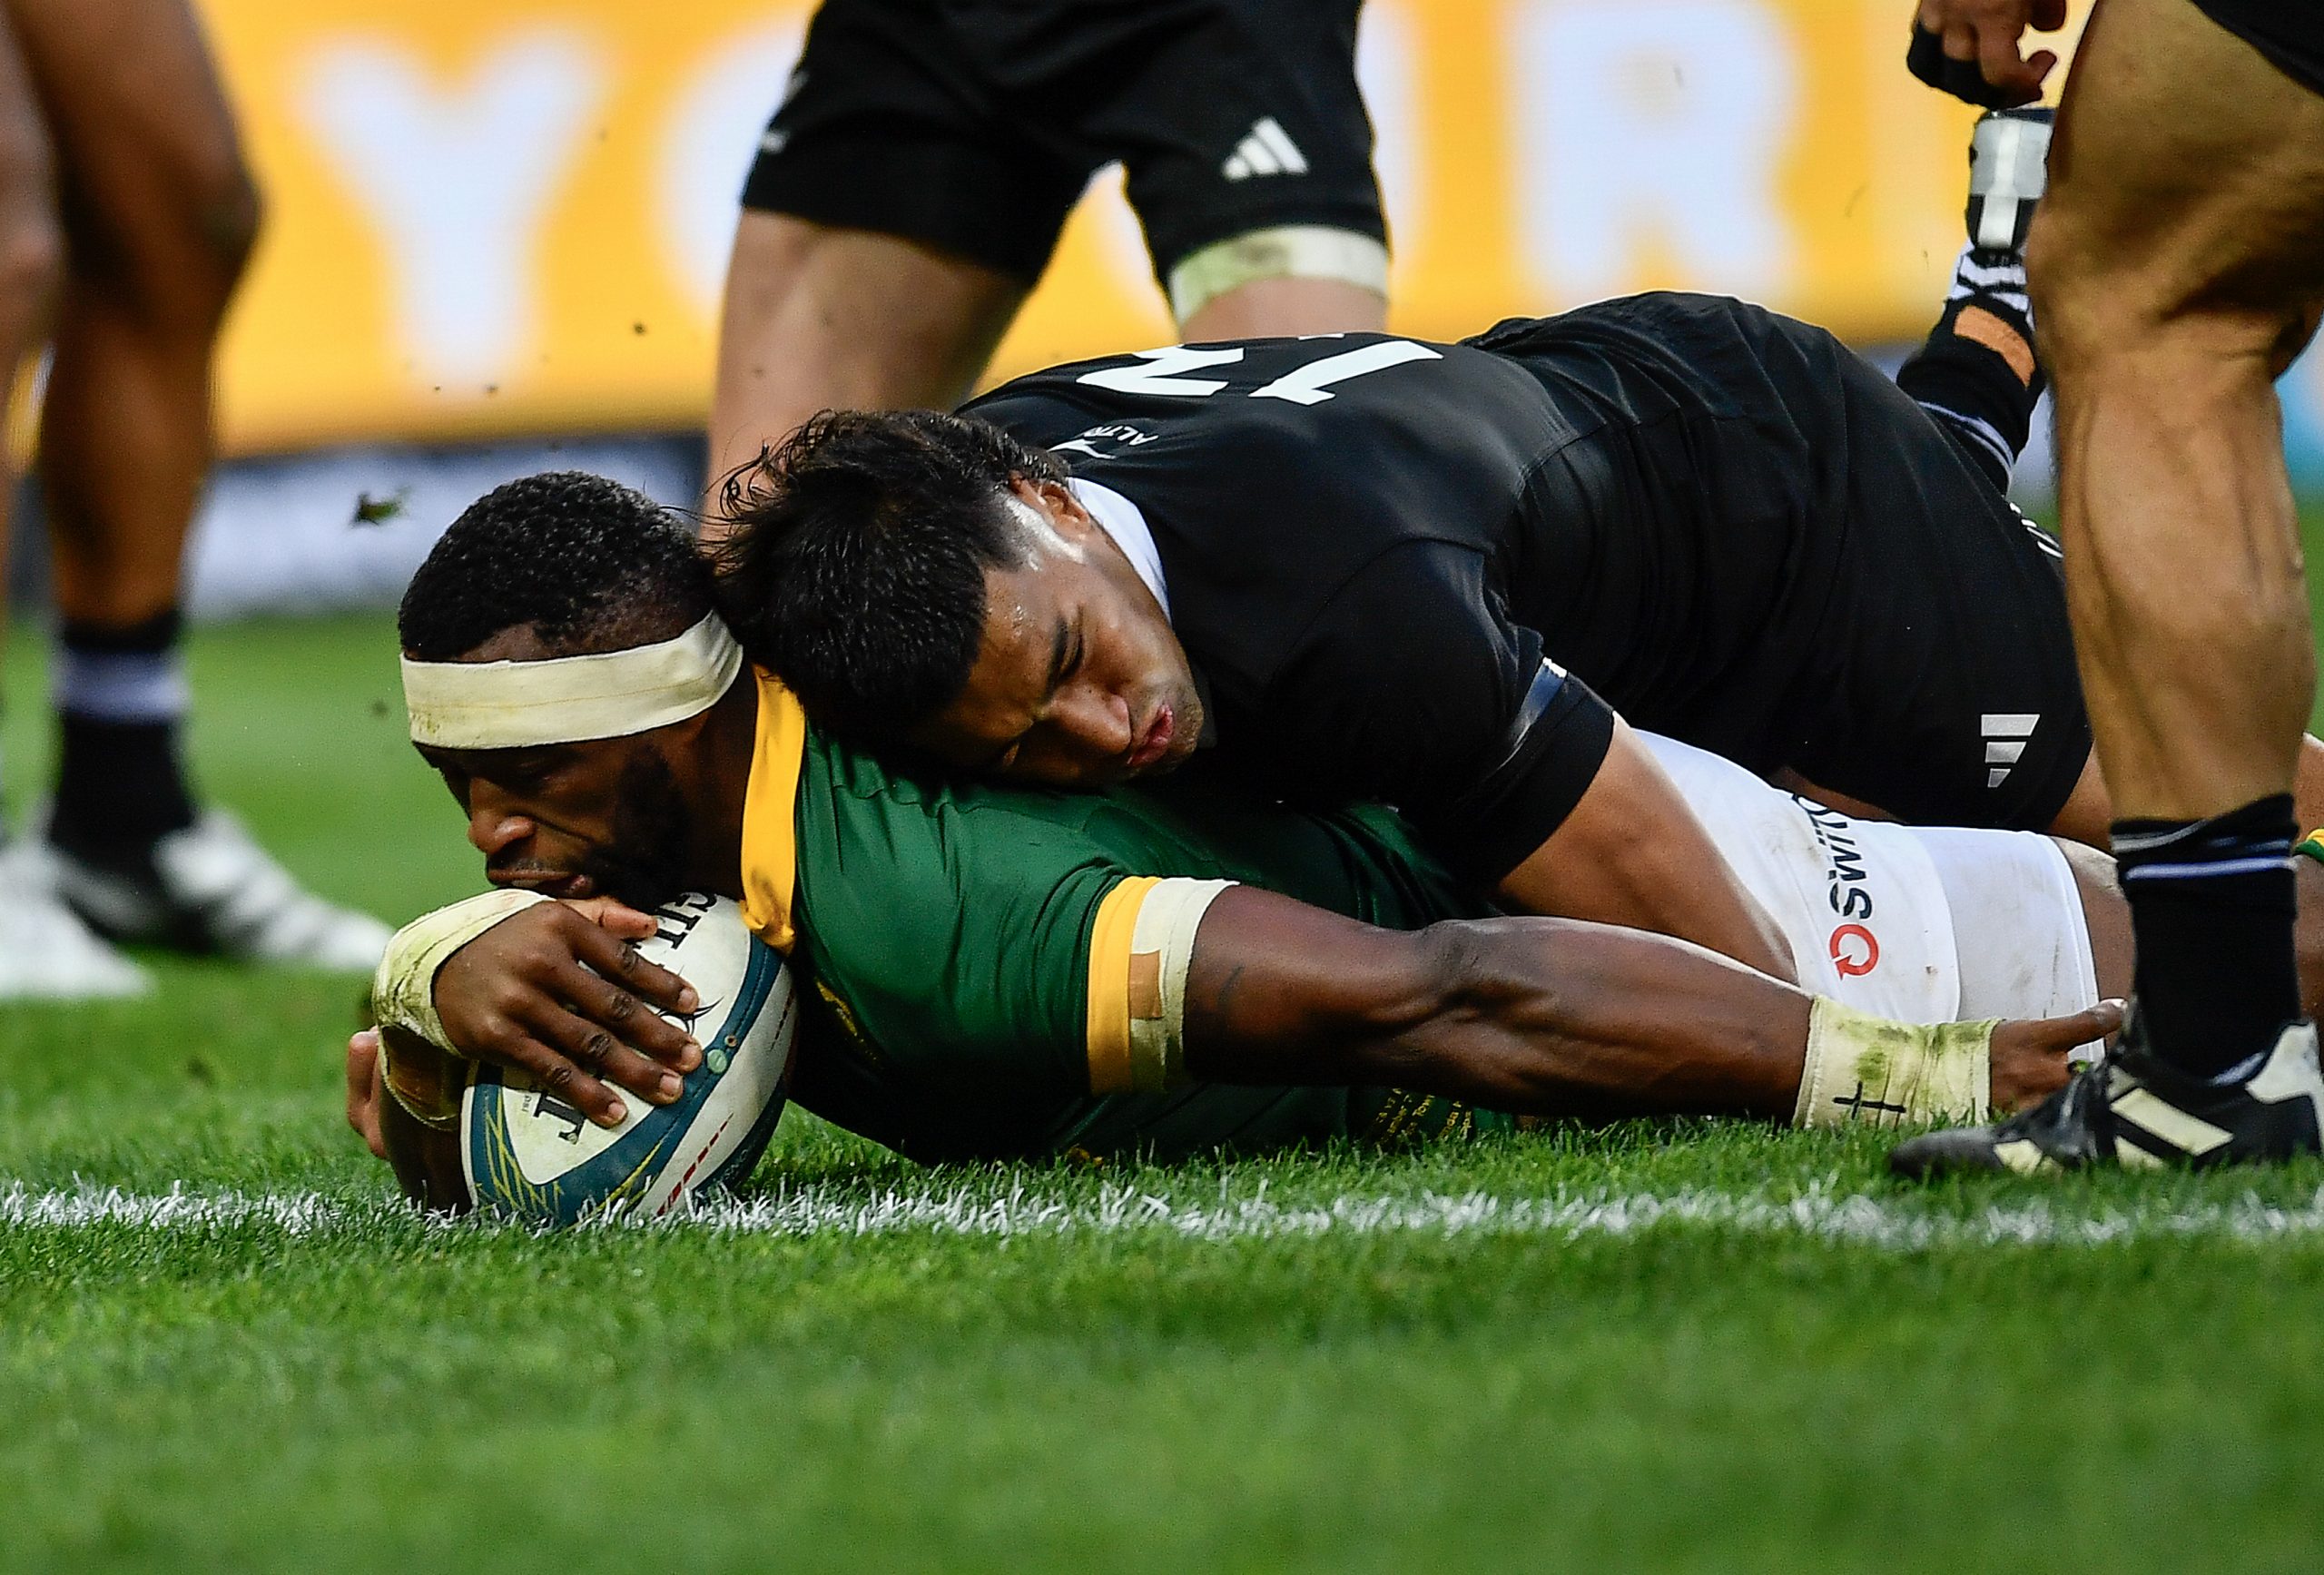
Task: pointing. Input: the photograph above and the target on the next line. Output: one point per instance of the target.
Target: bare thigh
(2187, 172)
(822, 317)
(158, 202)
(2178, 263)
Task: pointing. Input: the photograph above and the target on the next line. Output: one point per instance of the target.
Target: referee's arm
(1420, 692)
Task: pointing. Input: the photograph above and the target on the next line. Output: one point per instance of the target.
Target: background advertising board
(487, 219)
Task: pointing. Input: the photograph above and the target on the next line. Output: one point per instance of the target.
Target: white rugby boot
(211, 888)
(46, 952)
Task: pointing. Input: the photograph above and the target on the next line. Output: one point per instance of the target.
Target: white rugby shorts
(1922, 924)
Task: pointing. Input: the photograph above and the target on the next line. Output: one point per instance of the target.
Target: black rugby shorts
(971, 126)
(1944, 688)
(1906, 635)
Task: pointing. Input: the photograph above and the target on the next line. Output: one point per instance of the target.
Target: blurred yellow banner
(495, 217)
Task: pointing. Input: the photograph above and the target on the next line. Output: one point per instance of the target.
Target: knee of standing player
(2080, 317)
(32, 239)
(176, 263)
(2139, 302)
(32, 262)
(225, 210)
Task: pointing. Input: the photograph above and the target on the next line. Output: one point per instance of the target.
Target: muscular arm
(1529, 1015)
(1632, 853)
(1532, 1016)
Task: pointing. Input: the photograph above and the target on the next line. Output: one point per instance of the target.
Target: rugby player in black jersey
(1366, 567)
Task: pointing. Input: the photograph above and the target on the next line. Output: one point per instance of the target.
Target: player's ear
(1056, 499)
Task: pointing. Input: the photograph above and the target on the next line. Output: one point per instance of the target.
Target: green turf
(364, 1391)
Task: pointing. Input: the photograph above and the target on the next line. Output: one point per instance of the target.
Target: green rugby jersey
(967, 956)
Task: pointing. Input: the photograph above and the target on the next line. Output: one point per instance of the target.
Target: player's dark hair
(856, 567)
(590, 564)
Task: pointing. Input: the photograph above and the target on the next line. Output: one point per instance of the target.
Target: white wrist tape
(1863, 1070)
(1286, 251)
(566, 699)
(403, 992)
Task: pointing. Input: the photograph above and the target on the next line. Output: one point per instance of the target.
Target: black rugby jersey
(1371, 544)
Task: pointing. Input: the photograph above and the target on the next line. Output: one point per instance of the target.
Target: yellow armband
(1141, 947)
(1868, 1070)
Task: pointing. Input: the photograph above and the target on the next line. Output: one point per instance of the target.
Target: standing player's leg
(45, 949)
(1249, 159)
(1287, 303)
(2181, 263)
(914, 180)
(893, 222)
(1979, 376)
(158, 217)
(825, 317)
(2179, 266)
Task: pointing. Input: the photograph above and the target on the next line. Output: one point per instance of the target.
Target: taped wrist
(1863, 1069)
(403, 990)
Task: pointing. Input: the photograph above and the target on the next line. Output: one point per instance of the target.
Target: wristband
(2311, 845)
(1866, 1070)
(403, 992)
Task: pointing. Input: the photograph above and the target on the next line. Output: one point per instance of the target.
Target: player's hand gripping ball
(463, 1136)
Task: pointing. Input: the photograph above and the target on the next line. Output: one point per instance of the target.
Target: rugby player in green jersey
(1001, 972)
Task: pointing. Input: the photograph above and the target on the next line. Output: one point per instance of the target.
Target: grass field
(1687, 1347)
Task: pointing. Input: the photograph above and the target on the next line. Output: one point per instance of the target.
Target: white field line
(841, 1210)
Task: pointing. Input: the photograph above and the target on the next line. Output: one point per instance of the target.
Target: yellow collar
(771, 815)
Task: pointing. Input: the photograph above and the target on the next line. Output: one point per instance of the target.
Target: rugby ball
(527, 1154)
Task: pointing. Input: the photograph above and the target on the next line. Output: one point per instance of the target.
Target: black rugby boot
(2134, 1109)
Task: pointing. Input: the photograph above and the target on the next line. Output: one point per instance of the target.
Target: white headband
(566, 699)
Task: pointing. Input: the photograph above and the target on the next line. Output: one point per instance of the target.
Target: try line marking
(1011, 1210)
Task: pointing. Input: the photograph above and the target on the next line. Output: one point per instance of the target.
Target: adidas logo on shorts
(2006, 732)
(1268, 149)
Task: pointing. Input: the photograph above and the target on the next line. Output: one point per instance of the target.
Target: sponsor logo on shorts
(1856, 951)
(1268, 150)
(2006, 732)
(1847, 890)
